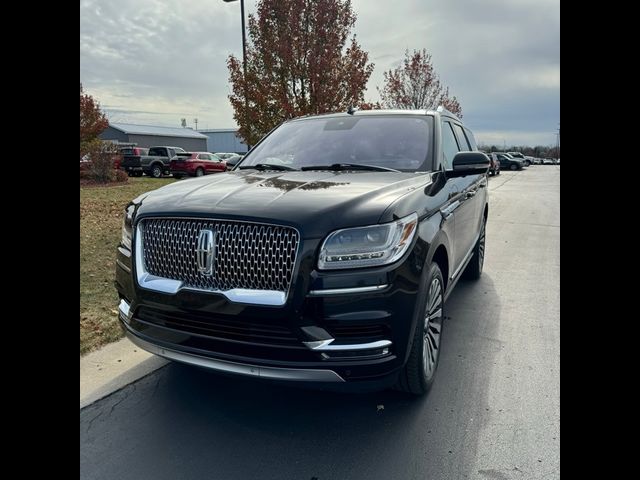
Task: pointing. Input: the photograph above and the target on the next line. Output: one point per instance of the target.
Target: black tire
(156, 171)
(473, 271)
(513, 167)
(498, 172)
(418, 374)
(199, 172)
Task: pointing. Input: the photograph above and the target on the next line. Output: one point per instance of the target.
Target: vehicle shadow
(183, 422)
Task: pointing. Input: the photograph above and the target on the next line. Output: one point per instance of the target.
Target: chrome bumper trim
(274, 373)
(124, 309)
(325, 345)
(341, 291)
(123, 266)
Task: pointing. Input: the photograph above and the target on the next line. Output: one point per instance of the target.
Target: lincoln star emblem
(206, 252)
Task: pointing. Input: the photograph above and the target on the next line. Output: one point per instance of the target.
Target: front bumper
(335, 327)
(272, 373)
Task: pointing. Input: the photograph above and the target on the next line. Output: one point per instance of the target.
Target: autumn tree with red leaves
(92, 121)
(416, 85)
(300, 60)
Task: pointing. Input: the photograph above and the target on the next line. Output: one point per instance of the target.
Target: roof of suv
(363, 113)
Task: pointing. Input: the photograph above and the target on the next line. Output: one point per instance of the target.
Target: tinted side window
(449, 145)
(462, 140)
(471, 139)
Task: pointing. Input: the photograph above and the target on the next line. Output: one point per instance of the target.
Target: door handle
(471, 194)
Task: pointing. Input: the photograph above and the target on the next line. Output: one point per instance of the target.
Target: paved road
(493, 412)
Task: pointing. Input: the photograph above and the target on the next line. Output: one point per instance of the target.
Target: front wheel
(513, 167)
(418, 373)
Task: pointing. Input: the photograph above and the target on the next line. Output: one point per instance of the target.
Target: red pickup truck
(196, 164)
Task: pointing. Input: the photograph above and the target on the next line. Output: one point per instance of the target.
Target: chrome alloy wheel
(432, 328)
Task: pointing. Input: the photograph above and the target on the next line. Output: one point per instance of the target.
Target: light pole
(244, 63)
(244, 40)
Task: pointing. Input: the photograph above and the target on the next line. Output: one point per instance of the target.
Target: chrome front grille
(247, 255)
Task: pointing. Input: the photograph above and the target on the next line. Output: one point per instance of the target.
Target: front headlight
(368, 246)
(127, 227)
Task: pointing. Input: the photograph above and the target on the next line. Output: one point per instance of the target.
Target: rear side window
(462, 140)
(471, 139)
(157, 152)
(449, 145)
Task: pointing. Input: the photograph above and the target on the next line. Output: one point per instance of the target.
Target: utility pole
(195, 120)
(244, 63)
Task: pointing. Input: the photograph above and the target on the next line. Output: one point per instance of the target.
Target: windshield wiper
(267, 166)
(348, 166)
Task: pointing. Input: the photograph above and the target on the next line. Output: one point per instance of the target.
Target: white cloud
(156, 61)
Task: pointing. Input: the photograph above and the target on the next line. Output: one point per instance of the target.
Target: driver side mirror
(469, 163)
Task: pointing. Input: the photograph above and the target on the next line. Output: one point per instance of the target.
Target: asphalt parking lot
(493, 412)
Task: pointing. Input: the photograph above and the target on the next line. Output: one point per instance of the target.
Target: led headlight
(367, 246)
(127, 227)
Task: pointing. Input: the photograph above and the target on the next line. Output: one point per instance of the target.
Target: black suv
(507, 161)
(325, 257)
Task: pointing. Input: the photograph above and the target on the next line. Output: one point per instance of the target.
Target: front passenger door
(464, 215)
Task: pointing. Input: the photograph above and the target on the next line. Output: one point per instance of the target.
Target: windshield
(398, 142)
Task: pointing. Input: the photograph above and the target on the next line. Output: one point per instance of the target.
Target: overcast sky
(157, 61)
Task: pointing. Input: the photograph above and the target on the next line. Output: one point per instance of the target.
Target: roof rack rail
(441, 109)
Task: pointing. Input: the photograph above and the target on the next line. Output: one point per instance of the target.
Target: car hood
(315, 202)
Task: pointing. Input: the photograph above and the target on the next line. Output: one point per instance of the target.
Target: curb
(113, 367)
